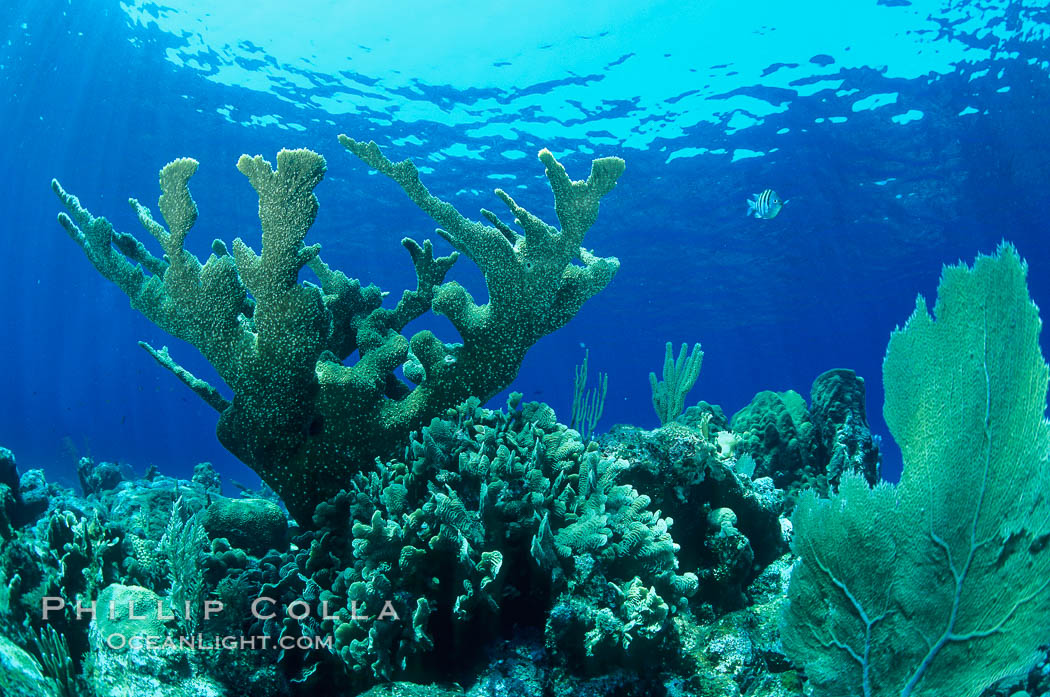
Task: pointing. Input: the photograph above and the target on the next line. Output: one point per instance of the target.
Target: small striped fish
(765, 205)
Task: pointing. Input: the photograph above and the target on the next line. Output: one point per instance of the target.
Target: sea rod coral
(300, 417)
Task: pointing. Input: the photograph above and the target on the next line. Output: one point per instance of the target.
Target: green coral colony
(433, 546)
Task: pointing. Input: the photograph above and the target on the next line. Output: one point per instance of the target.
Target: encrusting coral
(299, 417)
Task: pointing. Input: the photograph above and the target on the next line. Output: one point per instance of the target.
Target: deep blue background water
(882, 190)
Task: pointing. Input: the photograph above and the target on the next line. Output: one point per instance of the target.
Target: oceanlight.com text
(199, 642)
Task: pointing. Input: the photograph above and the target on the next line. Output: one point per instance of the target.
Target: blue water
(905, 134)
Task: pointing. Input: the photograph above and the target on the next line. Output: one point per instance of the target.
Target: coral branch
(201, 387)
(303, 420)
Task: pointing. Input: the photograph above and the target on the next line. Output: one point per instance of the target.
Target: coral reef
(255, 525)
(433, 546)
(131, 540)
(840, 418)
(514, 509)
(778, 432)
(500, 551)
(731, 520)
(300, 417)
(800, 446)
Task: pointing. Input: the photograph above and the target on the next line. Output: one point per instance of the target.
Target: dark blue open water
(905, 134)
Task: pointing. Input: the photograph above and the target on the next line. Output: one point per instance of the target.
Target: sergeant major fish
(765, 205)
